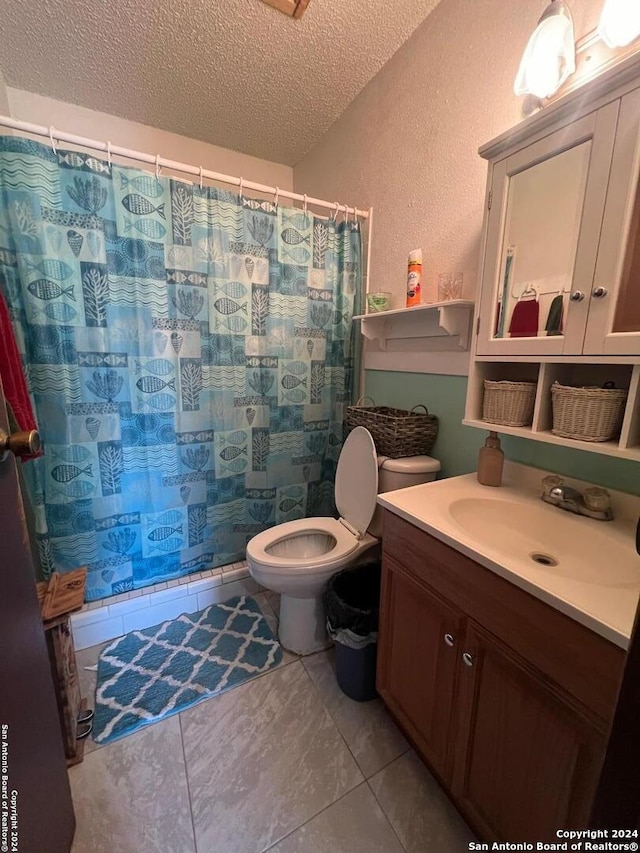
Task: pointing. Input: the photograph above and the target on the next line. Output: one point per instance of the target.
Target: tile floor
(285, 763)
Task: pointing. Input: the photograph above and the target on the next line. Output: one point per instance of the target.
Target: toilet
(297, 558)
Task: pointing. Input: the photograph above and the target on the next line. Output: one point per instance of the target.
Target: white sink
(549, 540)
(588, 569)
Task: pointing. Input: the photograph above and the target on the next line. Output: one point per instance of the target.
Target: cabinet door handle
(599, 292)
(466, 657)
(448, 638)
(577, 296)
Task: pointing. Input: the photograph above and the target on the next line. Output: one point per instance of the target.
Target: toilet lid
(357, 479)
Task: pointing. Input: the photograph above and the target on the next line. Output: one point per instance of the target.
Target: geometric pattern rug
(151, 674)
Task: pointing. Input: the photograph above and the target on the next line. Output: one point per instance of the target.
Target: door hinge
(490, 199)
(478, 326)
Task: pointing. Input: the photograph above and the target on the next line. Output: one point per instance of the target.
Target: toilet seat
(259, 549)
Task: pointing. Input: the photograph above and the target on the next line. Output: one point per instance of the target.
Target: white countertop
(597, 580)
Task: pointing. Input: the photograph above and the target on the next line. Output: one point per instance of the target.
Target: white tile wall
(159, 613)
(104, 620)
(97, 632)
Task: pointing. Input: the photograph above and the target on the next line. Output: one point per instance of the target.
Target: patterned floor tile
(418, 809)
(261, 760)
(132, 797)
(370, 733)
(355, 824)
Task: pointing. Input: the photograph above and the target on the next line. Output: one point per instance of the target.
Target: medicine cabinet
(559, 291)
(561, 266)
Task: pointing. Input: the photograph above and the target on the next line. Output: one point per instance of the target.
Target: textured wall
(231, 72)
(408, 143)
(4, 98)
(408, 146)
(142, 137)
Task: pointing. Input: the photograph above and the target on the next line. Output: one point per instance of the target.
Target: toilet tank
(400, 474)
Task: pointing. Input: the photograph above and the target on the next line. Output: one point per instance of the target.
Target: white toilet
(297, 558)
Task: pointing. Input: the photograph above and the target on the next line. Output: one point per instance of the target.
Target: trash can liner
(347, 638)
(352, 604)
(352, 600)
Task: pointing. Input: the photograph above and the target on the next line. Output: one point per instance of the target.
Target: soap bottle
(414, 278)
(490, 462)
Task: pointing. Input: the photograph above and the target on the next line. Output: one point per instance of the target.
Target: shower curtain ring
(305, 203)
(109, 153)
(241, 187)
(53, 144)
(200, 176)
(157, 167)
(276, 196)
(336, 212)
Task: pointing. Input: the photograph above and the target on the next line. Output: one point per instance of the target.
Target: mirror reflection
(542, 224)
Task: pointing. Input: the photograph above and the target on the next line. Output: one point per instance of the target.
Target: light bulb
(620, 22)
(550, 56)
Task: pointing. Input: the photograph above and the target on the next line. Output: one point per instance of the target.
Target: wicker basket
(396, 432)
(508, 403)
(588, 414)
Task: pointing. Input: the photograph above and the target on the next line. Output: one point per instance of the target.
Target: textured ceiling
(235, 73)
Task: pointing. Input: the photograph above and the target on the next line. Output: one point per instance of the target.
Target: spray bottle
(414, 278)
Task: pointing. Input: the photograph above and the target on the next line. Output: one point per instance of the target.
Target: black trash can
(352, 605)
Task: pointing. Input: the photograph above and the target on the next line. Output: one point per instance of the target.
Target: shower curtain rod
(162, 162)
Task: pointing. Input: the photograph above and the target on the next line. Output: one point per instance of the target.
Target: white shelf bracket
(456, 323)
(441, 326)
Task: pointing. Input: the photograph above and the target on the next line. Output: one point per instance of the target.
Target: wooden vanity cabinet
(508, 700)
(416, 664)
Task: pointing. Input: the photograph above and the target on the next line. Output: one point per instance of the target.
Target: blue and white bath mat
(151, 674)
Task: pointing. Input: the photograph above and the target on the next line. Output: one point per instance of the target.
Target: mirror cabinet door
(542, 226)
(614, 311)
(542, 238)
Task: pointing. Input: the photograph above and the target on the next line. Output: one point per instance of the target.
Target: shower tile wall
(104, 620)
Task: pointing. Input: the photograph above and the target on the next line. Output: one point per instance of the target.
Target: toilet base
(302, 627)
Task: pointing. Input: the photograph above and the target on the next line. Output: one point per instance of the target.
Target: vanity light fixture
(550, 55)
(620, 22)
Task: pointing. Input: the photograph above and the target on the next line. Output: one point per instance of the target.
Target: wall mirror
(544, 206)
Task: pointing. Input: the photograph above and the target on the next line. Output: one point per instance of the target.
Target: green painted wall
(457, 446)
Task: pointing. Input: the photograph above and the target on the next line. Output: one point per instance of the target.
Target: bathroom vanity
(503, 675)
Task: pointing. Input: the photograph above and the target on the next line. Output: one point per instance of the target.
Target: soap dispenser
(490, 462)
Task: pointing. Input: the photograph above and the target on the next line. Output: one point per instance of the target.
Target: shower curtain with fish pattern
(189, 353)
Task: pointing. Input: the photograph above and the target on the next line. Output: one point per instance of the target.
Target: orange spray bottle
(414, 278)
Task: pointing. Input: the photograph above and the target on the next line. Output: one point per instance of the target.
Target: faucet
(572, 500)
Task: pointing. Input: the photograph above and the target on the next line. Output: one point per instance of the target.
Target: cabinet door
(418, 642)
(526, 761)
(614, 309)
(542, 231)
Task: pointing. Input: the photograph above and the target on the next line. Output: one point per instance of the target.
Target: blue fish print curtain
(189, 354)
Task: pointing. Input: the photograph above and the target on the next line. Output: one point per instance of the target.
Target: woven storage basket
(589, 413)
(396, 432)
(508, 403)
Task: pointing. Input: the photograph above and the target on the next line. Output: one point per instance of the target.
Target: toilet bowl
(297, 558)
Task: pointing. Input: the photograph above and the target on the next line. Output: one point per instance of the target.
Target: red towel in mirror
(524, 320)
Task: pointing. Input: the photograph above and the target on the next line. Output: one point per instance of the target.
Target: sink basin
(527, 532)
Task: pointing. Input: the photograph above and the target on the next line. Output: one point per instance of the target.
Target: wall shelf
(606, 448)
(625, 446)
(439, 326)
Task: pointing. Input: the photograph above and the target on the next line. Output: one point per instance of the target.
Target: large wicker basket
(589, 413)
(508, 403)
(396, 432)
